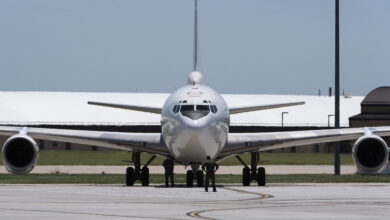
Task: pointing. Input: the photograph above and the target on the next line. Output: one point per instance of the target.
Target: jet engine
(20, 154)
(370, 154)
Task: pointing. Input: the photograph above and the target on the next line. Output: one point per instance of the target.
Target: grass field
(79, 157)
(180, 178)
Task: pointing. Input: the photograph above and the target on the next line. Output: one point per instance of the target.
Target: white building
(70, 110)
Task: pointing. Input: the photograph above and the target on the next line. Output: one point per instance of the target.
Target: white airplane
(195, 124)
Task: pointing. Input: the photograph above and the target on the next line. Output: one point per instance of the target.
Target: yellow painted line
(196, 214)
(262, 195)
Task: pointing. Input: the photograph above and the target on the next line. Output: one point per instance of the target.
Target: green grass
(180, 178)
(81, 157)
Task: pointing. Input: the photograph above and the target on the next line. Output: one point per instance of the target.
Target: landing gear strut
(195, 173)
(252, 173)
(138, 173)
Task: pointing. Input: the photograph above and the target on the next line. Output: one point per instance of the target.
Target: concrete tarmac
(271, 169)
(276, 201)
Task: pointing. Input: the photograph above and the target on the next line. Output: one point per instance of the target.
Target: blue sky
(246, 46)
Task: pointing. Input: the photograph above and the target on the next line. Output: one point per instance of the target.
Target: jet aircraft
(194, 124)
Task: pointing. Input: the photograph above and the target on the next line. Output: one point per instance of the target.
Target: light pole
(337, 88)
(283, 117)
(329, 120)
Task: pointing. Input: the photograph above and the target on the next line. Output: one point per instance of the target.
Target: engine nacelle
(370, 154)
(20, 154)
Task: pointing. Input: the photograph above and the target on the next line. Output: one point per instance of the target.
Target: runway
(276, 201)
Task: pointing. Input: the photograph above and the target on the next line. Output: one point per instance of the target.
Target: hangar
(70, 110)
(375, 109)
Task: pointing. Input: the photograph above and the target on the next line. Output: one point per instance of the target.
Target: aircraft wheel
(190, 178)
(129, 176)
(261, 176)
(246, 176)
(145, 176)
(199, 178)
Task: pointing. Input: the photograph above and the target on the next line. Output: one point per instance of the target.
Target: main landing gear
(252, 173)
(193, 174)
(138, 173)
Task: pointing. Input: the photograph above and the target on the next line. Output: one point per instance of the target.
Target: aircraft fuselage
(195, 123)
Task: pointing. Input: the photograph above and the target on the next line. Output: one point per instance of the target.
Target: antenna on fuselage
(195, 77)
(195, 67)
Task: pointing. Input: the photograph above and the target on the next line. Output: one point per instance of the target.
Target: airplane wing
(141, 142)
(154, 110)
(239, 143)
(242, 109)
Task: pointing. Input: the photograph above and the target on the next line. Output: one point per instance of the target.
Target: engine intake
(370, 154)
(20, 154)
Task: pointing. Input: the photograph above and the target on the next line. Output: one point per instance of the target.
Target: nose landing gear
(252, 173)
(190, 178)
(195, 173)
(200, 178)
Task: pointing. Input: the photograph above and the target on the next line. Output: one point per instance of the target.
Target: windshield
(194, 113)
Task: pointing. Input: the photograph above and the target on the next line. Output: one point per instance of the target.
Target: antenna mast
(195, 67)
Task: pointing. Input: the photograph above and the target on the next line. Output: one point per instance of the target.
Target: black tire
(246, 176)
(200, 179)
(145, 176)
(190, 178)
(130, 176)
(261, 176)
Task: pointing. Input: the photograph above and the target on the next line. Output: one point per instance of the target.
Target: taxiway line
(196, 214)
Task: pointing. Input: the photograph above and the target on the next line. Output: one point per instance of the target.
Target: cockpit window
(194, 113)
(176, 109)
(186, 108)
(213, 108)
(202, 108)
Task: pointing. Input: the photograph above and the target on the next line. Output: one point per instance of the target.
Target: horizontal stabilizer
(243, 109)
(128, 107)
